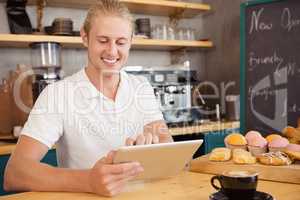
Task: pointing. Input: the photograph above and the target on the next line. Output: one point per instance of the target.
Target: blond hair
(106, 7)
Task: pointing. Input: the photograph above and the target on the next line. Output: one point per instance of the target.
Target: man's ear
(84, 37)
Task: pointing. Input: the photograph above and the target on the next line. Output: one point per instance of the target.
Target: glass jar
(45, 54)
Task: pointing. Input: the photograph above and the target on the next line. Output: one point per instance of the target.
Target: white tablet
(159, 160)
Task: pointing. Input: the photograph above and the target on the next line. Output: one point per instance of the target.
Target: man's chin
(109, 69)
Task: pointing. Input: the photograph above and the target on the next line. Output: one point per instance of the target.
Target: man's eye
(121, 42)
(102, 41)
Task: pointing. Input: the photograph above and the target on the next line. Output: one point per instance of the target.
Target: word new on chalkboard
(270, 65)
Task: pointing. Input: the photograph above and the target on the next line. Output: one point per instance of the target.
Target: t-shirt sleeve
(45, 122)
(148, 105)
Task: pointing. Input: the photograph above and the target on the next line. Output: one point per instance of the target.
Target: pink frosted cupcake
(278, 144)
(250, 135)
(257, 145)
(293, 147)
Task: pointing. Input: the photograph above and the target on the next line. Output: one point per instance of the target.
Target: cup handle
(212, 182)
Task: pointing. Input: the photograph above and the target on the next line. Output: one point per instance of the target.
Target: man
(88, 115)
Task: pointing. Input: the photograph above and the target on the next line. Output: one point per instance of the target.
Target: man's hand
(109, 179)
(146, 138)
(153, 133)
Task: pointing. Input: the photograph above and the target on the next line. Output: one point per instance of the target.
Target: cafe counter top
(204, 127)
(187, 185)
(7, 148)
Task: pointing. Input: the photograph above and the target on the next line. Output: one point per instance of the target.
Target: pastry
(293, 150)
(220, 154)
(241, 156)
(278, 144)
(250, 135)
(258, 146)
(274, 158)
(235, 141)
(272, 137)
(256, 143)
(293, 147)
(289, 131)
(293, 134)
(293, 154)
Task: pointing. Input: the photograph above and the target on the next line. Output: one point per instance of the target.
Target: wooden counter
(188, 185)
(206, 127)
(7, 148)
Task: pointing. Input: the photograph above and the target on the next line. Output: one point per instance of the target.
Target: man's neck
(106, 83)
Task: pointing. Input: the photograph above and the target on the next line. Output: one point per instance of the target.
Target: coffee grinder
(46, 65)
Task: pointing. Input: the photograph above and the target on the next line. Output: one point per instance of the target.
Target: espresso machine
(172, 88)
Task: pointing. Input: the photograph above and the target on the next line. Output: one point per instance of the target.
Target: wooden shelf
(150, 7)
(16, 40)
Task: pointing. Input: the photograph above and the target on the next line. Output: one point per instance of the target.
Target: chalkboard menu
(270, 65)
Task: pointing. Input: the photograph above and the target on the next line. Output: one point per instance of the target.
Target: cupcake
(257, 145)
(293, 147)
(278, 144)
(235, 141)
(272, 137)
(250, 135)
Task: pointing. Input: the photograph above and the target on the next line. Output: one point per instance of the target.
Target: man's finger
(155, 139)
(140, 140)
(110, 157)
(118, 186)
(125, 176)
(121, 168)
(129, 142)
(148, 138)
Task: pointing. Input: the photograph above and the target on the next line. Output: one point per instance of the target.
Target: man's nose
(112, 48)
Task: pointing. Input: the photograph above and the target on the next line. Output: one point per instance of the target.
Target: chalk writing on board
(273, 59)
(265, 93)
(294, 108)
(291, 69)
(272, 64)
(263, 87)
(287, 20)
(257, 24)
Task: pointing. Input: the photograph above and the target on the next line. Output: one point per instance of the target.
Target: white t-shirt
(84, 124)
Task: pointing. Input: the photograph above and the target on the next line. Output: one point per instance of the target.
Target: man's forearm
(35, 176)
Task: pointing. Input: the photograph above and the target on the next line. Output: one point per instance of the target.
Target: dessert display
(257, 144)
(241, 156)
(235, 141)
(253, 148)
(220, 154)
(274, 158)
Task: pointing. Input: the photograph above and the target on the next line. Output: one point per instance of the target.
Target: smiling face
(108, 43)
